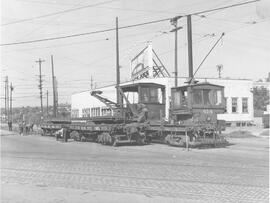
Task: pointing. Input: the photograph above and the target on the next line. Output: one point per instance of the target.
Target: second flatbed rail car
(83, 127)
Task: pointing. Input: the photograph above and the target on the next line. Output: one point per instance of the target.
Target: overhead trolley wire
(57, 13)
(125, 27)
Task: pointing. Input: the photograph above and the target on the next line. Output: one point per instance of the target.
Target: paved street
(63, 172)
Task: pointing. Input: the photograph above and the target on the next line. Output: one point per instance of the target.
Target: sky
(244, 51)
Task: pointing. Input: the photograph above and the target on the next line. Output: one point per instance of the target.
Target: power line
(224, 7)
(55, 38)
(81, 42)
(86, 33)
(57, 13)
(124, 27)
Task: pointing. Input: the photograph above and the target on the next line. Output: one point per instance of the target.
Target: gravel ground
(40, 169)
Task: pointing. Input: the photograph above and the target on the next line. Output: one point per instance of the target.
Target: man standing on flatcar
(143, 113)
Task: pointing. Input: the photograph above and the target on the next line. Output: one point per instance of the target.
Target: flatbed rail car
(143, 121)
(115, 134)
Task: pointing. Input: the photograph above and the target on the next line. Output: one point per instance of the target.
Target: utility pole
(119, 100)
(54, 90)
(47, 103)
(219, 69)
(40, 85)
(190, 56)
(11, 90)
(91, 85)
(56, 95)
(175, 30)
(7, 99)
(6, 106)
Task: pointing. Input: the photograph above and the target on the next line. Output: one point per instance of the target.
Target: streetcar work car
(196, 106)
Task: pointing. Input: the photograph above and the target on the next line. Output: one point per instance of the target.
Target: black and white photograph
(138, 101)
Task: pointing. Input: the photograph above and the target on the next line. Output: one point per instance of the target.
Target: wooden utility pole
(11, 90)
(47, 104)
(119, 100)
(7, 99)
(175, 30)
(6, 106)
(190, 55)
(40, 85)
(54, 90)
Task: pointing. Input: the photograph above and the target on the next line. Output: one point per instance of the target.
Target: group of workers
(23, 127)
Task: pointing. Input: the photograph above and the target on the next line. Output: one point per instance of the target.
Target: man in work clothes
(10, 125)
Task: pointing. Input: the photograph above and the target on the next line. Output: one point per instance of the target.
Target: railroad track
(129, 184)
(139, 161)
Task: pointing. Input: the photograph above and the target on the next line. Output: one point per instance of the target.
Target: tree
(260, 98)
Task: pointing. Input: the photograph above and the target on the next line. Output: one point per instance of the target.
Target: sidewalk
(6, 132)
(253, 130)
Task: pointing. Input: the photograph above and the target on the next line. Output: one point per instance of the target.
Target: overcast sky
(244, 51)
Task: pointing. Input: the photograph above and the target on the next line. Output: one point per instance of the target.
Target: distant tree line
(260, 98)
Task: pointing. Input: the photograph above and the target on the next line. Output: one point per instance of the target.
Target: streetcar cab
(201, 97)
(152, 95)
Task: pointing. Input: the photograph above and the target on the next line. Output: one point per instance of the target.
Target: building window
(106, 111)
(75, 113)
(244, 105)
(95, 111)
(86, 112)
(234, 105)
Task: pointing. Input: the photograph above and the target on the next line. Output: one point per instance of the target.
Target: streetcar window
(145, 94)
(197, 96)
(217, 97)
(179, 99)
(176, 99)
(132, 97)
(151, 95)
(206, 97)
(184, 101)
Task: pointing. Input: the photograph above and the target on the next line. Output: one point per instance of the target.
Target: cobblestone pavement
(238, 173)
